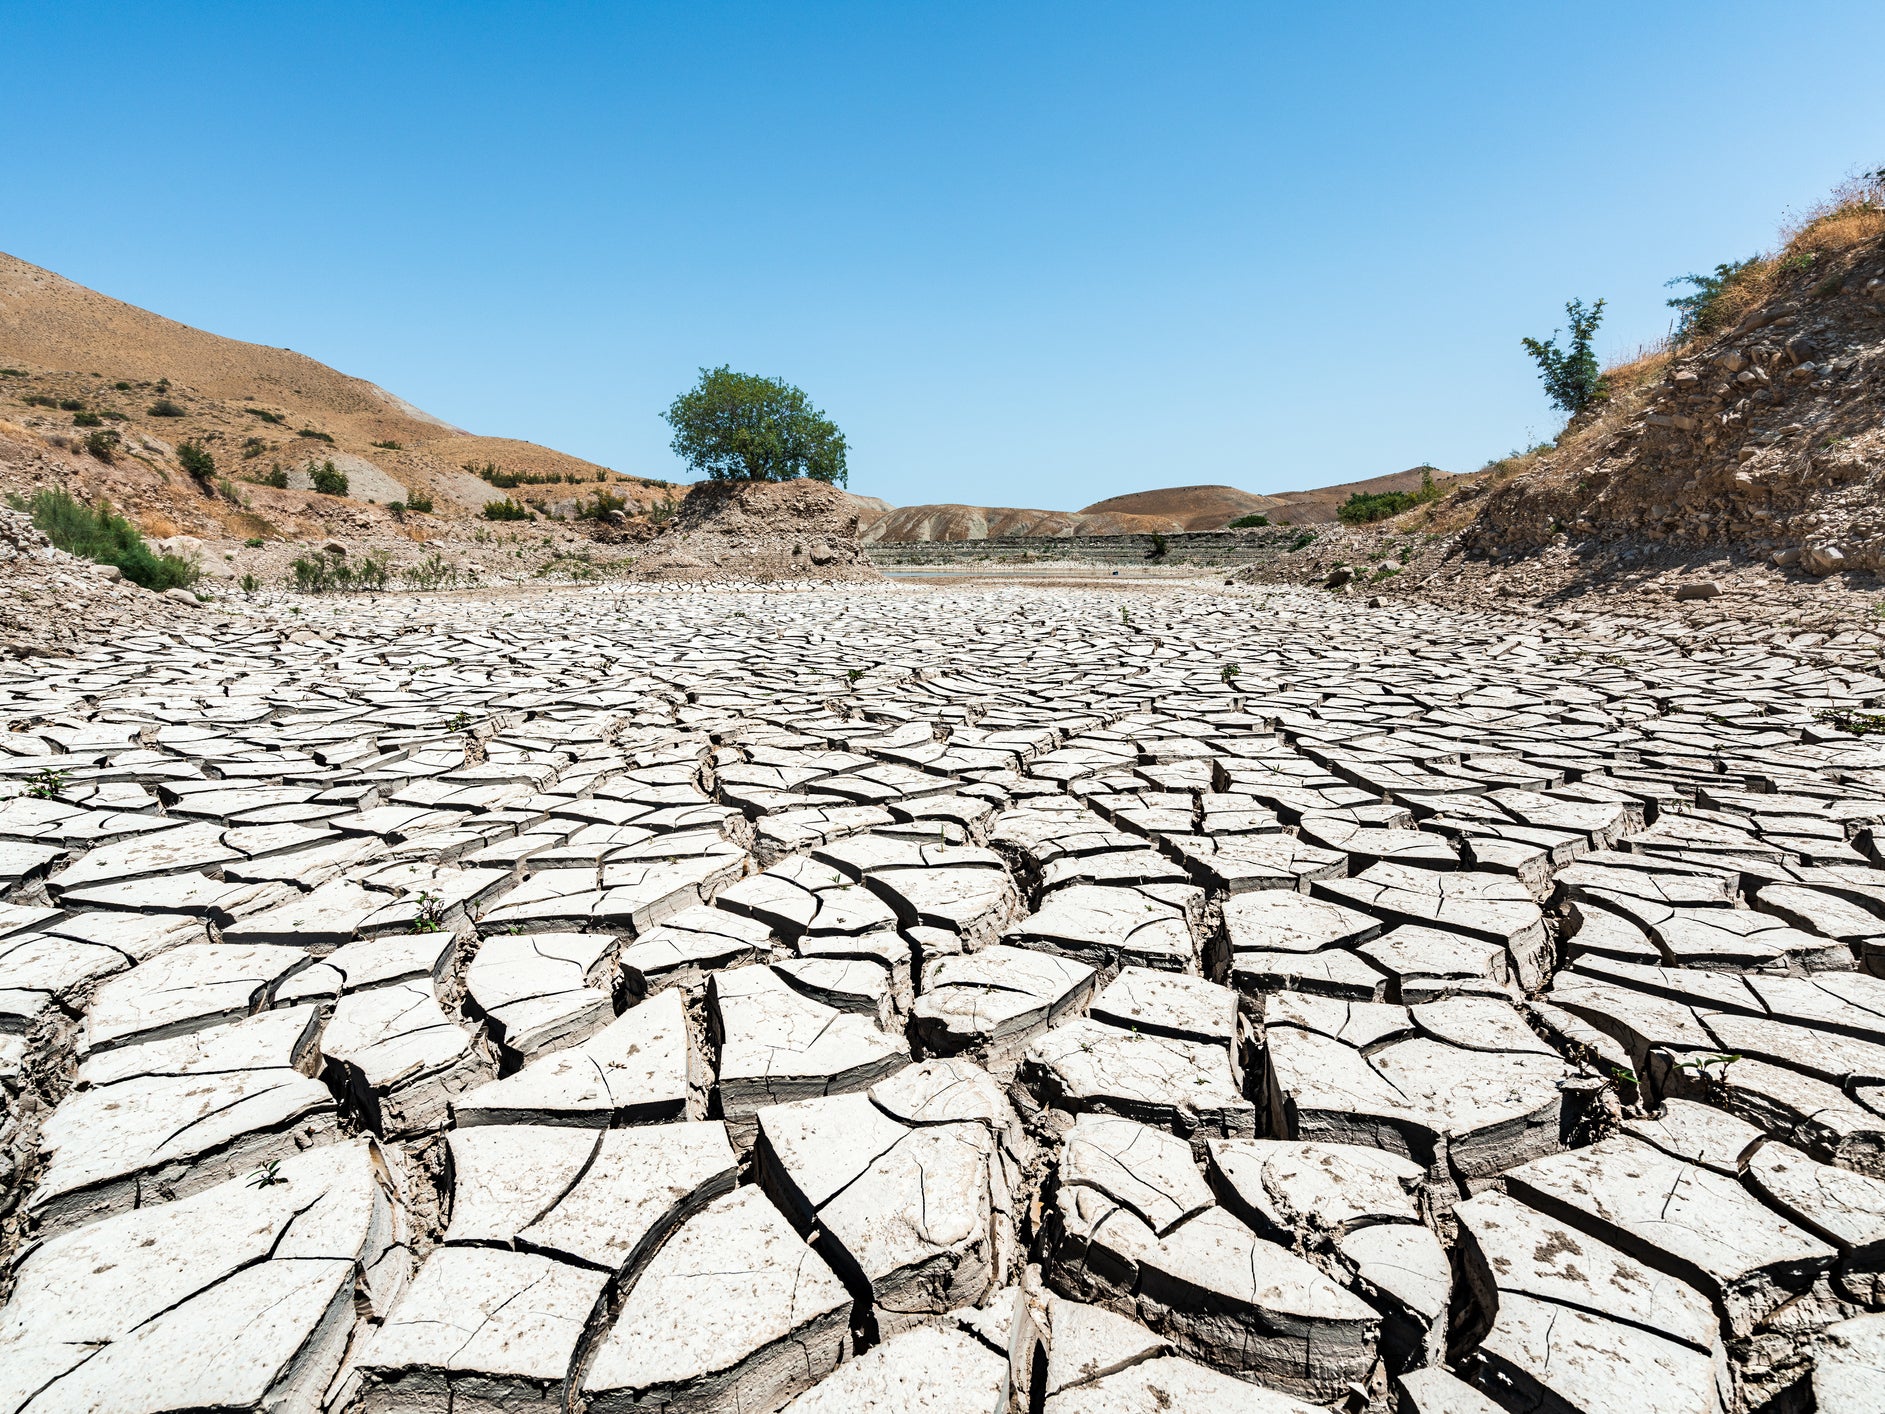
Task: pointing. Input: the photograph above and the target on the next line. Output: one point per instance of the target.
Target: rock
(1822, 559)
(1705, 589)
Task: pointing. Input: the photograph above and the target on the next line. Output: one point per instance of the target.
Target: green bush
(274, 476)
(505, 510)
(1572, 379)
(327, 479)
(418, 502)
(163, 407)
(87, 419)
(99, 533)
(194, 458)
(311, 573)
(1700, 311)
(1365, 507)
(1302, 541)
(254, 542)
(266, 415)
(103, 445)
(1249, 522)
(600, 508)
(70, 405)
(122, 387)
(390, 446)
(317, 436)
(253, 447)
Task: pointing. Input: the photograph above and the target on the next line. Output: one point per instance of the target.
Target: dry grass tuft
(1647, 363)
(1851, 214)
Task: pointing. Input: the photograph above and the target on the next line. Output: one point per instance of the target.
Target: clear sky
(1023, 253)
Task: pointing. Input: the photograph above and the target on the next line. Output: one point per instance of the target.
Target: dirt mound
(959, 522)
(1767, 438)
(759, 532)
(1188, 507)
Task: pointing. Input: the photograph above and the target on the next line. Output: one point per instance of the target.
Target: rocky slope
(1766, 439)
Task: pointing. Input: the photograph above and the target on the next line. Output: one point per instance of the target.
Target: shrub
(122, 387)
(1249, 522)
(310, 573)
(390, 446)
(1159, 547)
(1365, 507)
(163, 407)
(254, 542)
(433, 572)
(506, 509)
(70, 405)
(194, 458)
(87, 419)
(1571, 376)
(253, 447)
(39, 400)
(317, 436)
(417, 502)
(274, 476)
(600, 508)
(12, 372)
(99, 533)
(1702, 310)
(103, 445)
(327, 479)
(266, 415)
(1302, 541)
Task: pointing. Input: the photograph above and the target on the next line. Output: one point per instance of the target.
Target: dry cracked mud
(884, 999)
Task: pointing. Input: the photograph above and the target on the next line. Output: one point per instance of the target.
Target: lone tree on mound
(740, 427)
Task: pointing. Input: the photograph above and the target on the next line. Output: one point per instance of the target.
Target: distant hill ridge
(1169, 510)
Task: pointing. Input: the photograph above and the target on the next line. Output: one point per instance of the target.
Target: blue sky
(1024, 253)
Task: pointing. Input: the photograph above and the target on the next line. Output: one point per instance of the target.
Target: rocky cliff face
(1766, 438)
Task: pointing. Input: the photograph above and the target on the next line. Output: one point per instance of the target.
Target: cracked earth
(884, 999)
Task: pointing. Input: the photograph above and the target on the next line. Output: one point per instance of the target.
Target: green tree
(741, 427)
(1570, 375)
(194, 458)
(1699, 311)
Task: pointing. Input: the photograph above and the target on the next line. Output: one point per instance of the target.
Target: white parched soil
(874, 998)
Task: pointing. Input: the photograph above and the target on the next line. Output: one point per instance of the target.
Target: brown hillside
(255, 409)
(1763, 436)
(1188, 507)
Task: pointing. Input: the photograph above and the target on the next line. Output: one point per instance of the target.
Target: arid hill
(1171, 510)
(1188, 507)
(1763, 434)
(125, 387)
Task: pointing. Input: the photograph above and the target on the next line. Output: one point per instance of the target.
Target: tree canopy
(741, 427)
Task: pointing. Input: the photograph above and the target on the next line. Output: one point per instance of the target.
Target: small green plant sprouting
(851, 675)
(249, 584)
(430, 917)
(433, 572)
(47, 783)
(1703, 1062)
(1302, 541)
(1229, 673)
(254, 542)
(1846, 719)
(267, 1176)
(459, 722)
